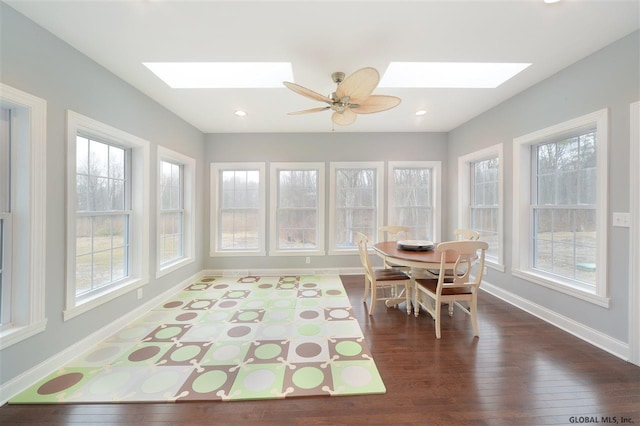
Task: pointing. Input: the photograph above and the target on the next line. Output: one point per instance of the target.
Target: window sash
(5, 269)
(97, 247)
(565, 250)
(6, 224)
(484, 203)
(414, 200)
(171, 235)
(239, 209)
(355, 205)
(563, 179)
(297, 215)
(98, 262)
(171, 243)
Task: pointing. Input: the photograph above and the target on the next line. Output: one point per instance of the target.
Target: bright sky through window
(222, 75)
(460, 75)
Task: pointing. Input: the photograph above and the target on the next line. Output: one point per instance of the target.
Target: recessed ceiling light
(466, 75)
(551, 1)
(421, 112)
(222, 75)
(240, 113)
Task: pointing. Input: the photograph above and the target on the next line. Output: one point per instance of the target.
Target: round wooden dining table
(425, 260)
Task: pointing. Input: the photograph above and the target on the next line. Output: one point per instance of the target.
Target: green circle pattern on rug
(225, 338)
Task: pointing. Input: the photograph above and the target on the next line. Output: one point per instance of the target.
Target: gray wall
(326, 147)
(36, 62)
(607, 79)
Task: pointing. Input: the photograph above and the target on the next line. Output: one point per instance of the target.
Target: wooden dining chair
(461, 286)
(393, 233)
(461, 234)
(466, 234)
(380, 281)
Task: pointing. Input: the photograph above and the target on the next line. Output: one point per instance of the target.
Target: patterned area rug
(226, 339)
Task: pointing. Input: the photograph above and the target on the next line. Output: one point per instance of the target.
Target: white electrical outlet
(621, 220)
(139, 293)
(308, 260)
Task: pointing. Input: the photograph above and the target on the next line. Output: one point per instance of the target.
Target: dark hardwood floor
(520, 371)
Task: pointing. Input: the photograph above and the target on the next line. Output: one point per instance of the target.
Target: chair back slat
(466, 234)
(363, 251)
(393, 233)
(469, 255)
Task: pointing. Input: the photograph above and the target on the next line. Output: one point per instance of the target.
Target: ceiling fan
(352, 96)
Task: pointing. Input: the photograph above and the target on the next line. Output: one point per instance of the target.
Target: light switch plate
(621, 220)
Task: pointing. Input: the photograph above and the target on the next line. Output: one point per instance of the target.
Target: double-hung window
(103, 214)
(176, 237)
(108, 208)
(414, 197)
(22, 215)
(6, 226)
(561, 211)
(238, 200)
(297, 208)
(356, 193)
(171, 212)
(480, 186)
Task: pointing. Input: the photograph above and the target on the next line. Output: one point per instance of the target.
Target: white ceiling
(320, 37)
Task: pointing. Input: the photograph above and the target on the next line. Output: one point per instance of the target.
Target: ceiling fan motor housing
(337, 77)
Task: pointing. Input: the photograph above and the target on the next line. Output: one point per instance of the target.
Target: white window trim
(379, 167)
(273, 240)
(189, 206)
(215, 169)
(464, 195)
(436, 232)
(634, 256)
(522, 228)
(28, 319)
(140, 211)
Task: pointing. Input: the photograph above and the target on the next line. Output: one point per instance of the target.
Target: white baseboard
(279, 271)
(16, 385)
(588, 334)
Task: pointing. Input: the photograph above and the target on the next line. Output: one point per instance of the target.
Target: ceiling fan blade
(359, 85)
(306, 92)
(344, 119)
(308, 111)
(376, 103)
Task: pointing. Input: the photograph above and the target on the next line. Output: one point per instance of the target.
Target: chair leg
(450, 309)
(473, 305)
(407, 297)
(437, 318)
(367, 286)
(372, 303)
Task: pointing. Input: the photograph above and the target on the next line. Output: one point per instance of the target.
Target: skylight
(467, 75)
(222, 75)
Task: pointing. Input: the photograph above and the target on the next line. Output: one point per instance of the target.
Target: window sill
(237, 253)
(173, 266)
(338, 252)
(562, 287)
(497, 266)
(15, 334)
(107, 295)
(298, 252)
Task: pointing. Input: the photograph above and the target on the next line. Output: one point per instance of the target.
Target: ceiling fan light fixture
(352, 96)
